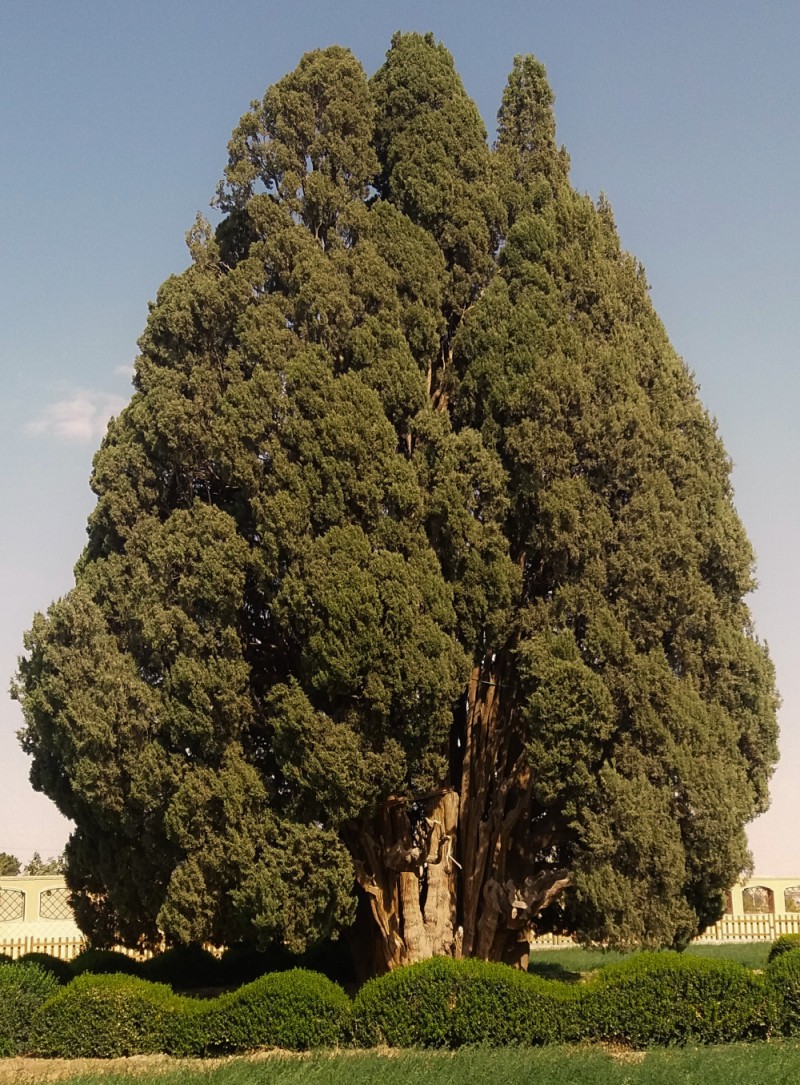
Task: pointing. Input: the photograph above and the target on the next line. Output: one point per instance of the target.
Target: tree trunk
(451, 873)
(405, 865)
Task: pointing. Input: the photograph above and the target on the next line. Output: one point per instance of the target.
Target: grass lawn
(737, 1064)
(568, 964)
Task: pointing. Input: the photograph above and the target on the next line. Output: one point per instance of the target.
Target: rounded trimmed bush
(243, 963)
(294, 1010)
(783, 981)
(23, 989)
(6, 958)
(333, 959)
(785, 944)
(447, 1003)
(669, 998)
(104, 1017)
(54, 965)
(184, 968)
(105, 962)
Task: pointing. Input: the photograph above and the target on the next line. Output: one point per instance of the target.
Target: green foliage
(104, 962)
(37, 865)
(295, 1010)
(449, 1003)
(785, 944)
(411, 472)
(651, 999)
(9, 865)
(332, 959)
(184, 968)
(783, 980)
(103, 1017)
(23, 989)
(645, 1000)
(62, 970)
(244, 963)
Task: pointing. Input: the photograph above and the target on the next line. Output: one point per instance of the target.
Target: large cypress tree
(414, 588)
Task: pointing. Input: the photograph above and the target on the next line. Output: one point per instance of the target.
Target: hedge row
(24, 988)
(649, 999)
(447, 1003)
(189, 968)
(105, 1016)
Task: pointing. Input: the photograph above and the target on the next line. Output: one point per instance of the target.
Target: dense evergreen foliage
(24, 987)
(9, 865)
(414, 590)
(103, 1017)
(647, 1000)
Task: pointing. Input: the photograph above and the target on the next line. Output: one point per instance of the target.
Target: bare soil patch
(21, 1070)
(25, 1071)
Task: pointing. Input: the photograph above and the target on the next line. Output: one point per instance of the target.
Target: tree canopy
(37, 865)
(414, 592)
(9, 864)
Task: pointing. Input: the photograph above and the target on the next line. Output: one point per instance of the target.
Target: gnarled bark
(405, 864)
(449, 874)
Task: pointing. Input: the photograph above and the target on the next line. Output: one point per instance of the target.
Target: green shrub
(59, 969)
(294, 1010)
(105, 962)
(446, 1003)
(783, 981)
(23, 989)
(184, 968)
(333, 959)
(243, 963)
(104, 1017)
(5, 958)
(56, 967)
(668, 998)
(785, 944)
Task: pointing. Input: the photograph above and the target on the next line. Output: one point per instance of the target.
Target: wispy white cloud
(80, 416)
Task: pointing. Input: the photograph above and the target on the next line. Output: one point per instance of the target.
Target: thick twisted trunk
(452, 874)
(405, 864)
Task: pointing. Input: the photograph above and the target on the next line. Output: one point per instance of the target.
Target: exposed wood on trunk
(417, 944)
(437, 380)
(442, 882)
(447, 873)
(400, 865)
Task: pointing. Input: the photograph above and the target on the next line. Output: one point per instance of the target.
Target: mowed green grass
(737, 1064)
(569, 964)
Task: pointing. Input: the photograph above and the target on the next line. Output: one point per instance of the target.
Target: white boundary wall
(31, 933)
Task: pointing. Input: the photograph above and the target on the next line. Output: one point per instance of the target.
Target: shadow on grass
(549, 970)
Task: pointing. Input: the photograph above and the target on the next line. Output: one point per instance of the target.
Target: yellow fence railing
(63, 948)
(750, 928)
(731, 928)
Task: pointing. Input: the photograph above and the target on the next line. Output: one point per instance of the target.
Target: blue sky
(114, 119)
